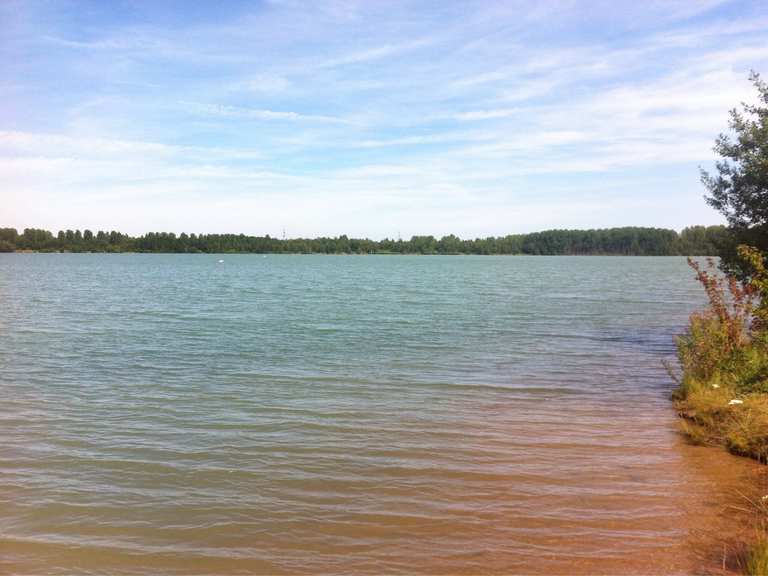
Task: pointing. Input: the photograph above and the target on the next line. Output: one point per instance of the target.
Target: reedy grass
(757, 563)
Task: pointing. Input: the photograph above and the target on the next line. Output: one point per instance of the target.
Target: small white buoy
(221, 261)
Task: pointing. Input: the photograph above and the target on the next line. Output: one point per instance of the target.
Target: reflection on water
(346, 414)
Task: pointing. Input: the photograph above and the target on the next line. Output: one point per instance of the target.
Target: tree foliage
(739, 189)
(692, 241)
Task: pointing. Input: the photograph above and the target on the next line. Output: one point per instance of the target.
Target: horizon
(368, 119)
(395, 238)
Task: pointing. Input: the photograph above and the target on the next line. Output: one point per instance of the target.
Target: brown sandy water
(169, 414)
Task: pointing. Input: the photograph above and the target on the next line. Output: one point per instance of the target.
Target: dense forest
(692, 241)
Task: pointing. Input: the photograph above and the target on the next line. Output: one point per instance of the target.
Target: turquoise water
(295, 414)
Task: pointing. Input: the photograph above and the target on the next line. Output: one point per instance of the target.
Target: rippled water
(296, 414)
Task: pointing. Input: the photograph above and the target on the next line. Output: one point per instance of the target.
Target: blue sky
(367, 118)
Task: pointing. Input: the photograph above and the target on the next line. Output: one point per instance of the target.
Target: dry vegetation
(723, 390)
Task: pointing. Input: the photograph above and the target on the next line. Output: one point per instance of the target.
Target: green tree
(9, 235)
(739, 189)
(695, 240)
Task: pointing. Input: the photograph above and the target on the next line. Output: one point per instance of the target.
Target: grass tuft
(757, 562)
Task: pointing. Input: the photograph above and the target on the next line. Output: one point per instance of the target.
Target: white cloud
(15, 144)
(488, 114)
(225, 111)
(375, 53)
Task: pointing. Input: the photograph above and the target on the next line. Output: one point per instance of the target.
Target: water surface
(303, 414)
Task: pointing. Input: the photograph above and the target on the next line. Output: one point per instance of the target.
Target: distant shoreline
(627, 241)
(352, 254)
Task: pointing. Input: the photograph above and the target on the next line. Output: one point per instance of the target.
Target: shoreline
(721, 397)
(627, 240)
(612, 255)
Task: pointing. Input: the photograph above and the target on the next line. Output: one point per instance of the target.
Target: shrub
(723, 391)
(717, 340)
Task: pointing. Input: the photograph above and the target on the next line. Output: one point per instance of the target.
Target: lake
(345, 414)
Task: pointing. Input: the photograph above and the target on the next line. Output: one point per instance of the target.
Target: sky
(367, 118)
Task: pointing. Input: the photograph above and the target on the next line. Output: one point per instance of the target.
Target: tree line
(631, 241)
